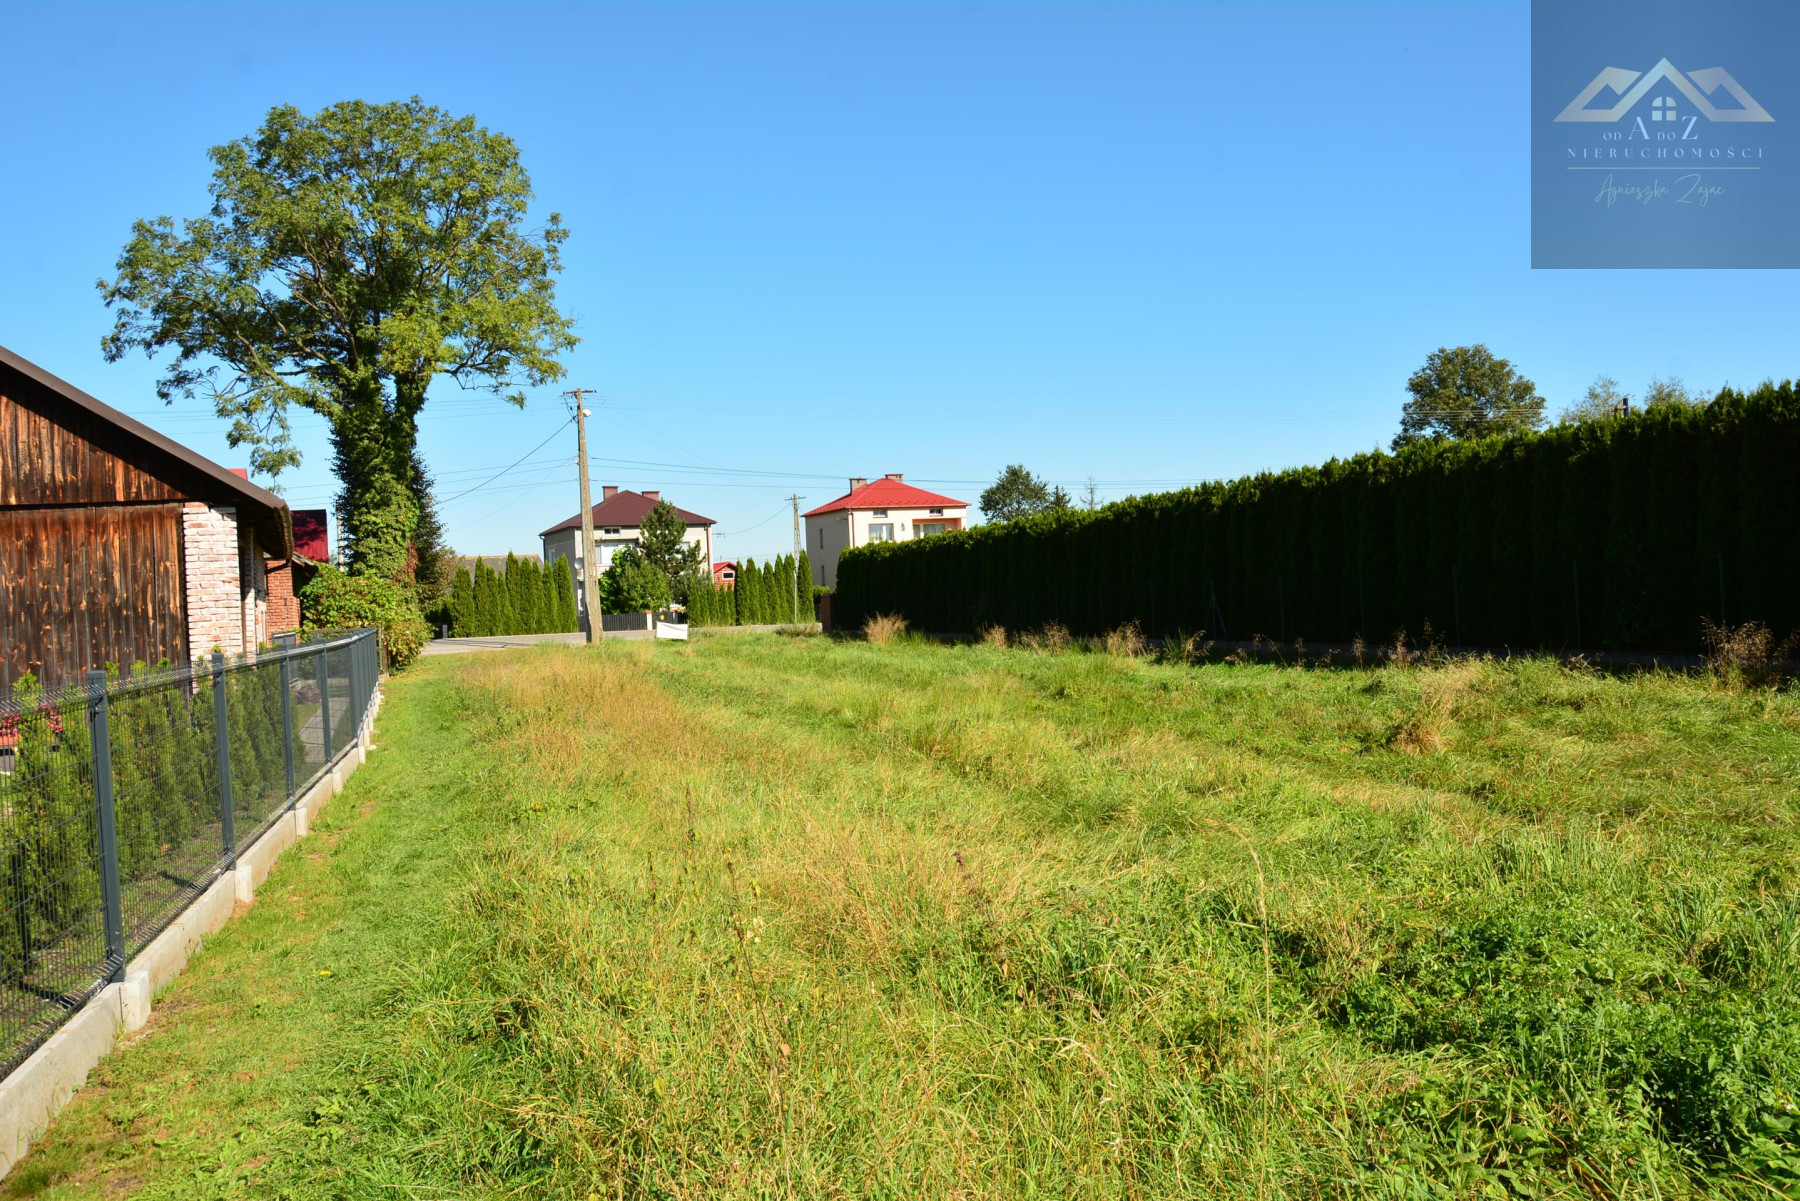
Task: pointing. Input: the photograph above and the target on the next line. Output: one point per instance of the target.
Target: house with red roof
(725, 575)
(885, 510)
(618, 522)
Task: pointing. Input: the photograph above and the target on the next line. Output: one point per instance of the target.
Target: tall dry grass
(1747, 656)
(1125, 642)
(883, 628)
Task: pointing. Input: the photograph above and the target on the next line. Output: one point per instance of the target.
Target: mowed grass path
(788, 917)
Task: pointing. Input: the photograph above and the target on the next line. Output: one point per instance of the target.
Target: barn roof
(195, 474)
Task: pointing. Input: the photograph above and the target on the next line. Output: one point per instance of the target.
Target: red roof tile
(888, 494)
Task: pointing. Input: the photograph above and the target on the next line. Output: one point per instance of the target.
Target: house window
(880, 513)
(926, 529)
(1662, 108)
(610, 530)
(937, 512)
(821, 547)
(724, 575)
(881, 532)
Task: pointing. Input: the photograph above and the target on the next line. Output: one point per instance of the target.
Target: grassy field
(765, 916)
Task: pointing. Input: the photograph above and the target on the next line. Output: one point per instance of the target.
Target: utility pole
(796, 499)
(590, 592)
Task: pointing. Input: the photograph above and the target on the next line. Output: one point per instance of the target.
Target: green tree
(462, 604)
(1018, 493)
(483, 623)
(725, 604)
(806, 587)
(633, 584)
(563, 582)
(1467, 392)
(702, 604)
(1670, 392)
(661, 542)
(433, 562)
(749, 593)
(1603, 398)
(506, 617)
(350, 258)
(509, 578)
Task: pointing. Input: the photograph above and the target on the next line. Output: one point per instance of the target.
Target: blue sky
(1152, 244)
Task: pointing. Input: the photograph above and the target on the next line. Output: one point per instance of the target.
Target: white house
(618, 522)
(887, 510)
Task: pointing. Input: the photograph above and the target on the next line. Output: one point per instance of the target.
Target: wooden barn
(118, 544)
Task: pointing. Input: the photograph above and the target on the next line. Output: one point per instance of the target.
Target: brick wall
(211, 569)
(284, 606)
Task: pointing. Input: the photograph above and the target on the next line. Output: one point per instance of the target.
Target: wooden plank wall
(62, 572)
(73, 459)
(90, 543)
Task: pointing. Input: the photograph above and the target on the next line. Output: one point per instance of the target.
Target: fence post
(353, 702)
(367, 671)
(222, 736)
(324, 706)
(285, 646)
(100, 740)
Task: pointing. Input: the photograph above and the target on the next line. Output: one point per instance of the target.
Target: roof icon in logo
(1695, 85)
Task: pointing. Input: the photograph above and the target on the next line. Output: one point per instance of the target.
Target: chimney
(608, 491)
(857, 481)
(652, 496)
(893, 475)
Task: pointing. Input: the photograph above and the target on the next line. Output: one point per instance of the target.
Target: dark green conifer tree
(462, 603)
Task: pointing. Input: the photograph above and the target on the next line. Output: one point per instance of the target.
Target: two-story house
(885, 510)
(618, 522)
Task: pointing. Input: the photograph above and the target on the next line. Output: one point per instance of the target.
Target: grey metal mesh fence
(338, 666)
(53, 950)
(259, 788)
(165, 768)
(123, 799)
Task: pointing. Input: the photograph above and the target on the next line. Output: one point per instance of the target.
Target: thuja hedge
(526, 598)
(1619, 534)
(764, 595)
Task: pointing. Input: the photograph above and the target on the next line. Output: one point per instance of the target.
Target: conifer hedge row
(764, 595)
(1619, 534)
(527, 598)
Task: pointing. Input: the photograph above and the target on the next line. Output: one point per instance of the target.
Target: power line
(759, 525)
(508, 467)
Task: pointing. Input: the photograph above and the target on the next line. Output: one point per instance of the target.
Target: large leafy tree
(1467, 392)
(1018, 493)
(350, 258)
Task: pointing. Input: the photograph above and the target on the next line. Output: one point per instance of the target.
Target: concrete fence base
(38, 1088)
